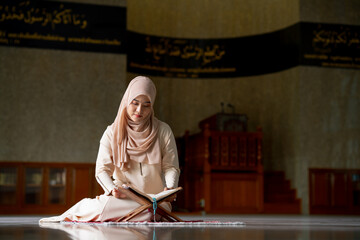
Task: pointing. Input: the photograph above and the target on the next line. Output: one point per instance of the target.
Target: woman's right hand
(116, 193)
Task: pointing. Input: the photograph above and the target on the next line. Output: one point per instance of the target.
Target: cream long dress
(149, 178)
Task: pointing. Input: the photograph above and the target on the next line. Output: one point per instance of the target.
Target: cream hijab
(136, 141)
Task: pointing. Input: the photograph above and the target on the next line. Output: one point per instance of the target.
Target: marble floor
(255, 227)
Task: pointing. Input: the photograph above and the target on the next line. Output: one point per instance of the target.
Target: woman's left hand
(116, 193)
(172, 198)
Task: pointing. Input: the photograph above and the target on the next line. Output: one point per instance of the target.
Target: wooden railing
(233, 151)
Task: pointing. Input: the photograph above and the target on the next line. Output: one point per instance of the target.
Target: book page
(164, 194)
(137, 192)
(160, 196)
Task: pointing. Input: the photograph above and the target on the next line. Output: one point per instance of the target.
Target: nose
(139, 108)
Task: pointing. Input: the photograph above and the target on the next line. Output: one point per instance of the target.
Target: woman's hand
(116, 193)
(172, 198)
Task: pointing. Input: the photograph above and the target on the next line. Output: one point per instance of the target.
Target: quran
(158, 197)
(149, 201)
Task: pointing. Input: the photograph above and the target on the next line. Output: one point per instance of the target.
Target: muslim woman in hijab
(138, 150)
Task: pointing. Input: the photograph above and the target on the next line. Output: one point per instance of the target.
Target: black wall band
(206, 58)
(330, 45)
(95, 28)
(68, 26)
(313, 44)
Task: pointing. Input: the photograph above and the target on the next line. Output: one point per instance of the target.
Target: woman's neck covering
(136, 141)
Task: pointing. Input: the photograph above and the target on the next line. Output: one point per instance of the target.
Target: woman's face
(139, 108)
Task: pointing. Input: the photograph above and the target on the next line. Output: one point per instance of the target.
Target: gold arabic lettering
(328, 39)
(190, 71)
(184, 50)
(30, 15)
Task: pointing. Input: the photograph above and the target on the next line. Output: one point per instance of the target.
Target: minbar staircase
(279, 197)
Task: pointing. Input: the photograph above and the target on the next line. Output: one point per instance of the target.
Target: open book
(158, 197)
(147, 201)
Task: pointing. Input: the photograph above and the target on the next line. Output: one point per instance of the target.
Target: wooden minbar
(223, 170)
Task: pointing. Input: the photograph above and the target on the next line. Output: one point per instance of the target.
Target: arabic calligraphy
(88, 40)
(181, 49)
(62, 25)
(27, 14)
(332, 46)
(182, 72)
(326, 40)
(16, 37)
(47, 37)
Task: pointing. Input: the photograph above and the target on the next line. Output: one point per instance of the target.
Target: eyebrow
(139, 101)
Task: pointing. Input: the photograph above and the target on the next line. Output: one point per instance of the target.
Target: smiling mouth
(137, 115)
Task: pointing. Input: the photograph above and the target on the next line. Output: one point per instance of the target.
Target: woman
(138, 150)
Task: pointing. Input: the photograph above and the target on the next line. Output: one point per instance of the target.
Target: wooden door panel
(320, 185)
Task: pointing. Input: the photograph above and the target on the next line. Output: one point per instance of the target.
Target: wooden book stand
(145, 204)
